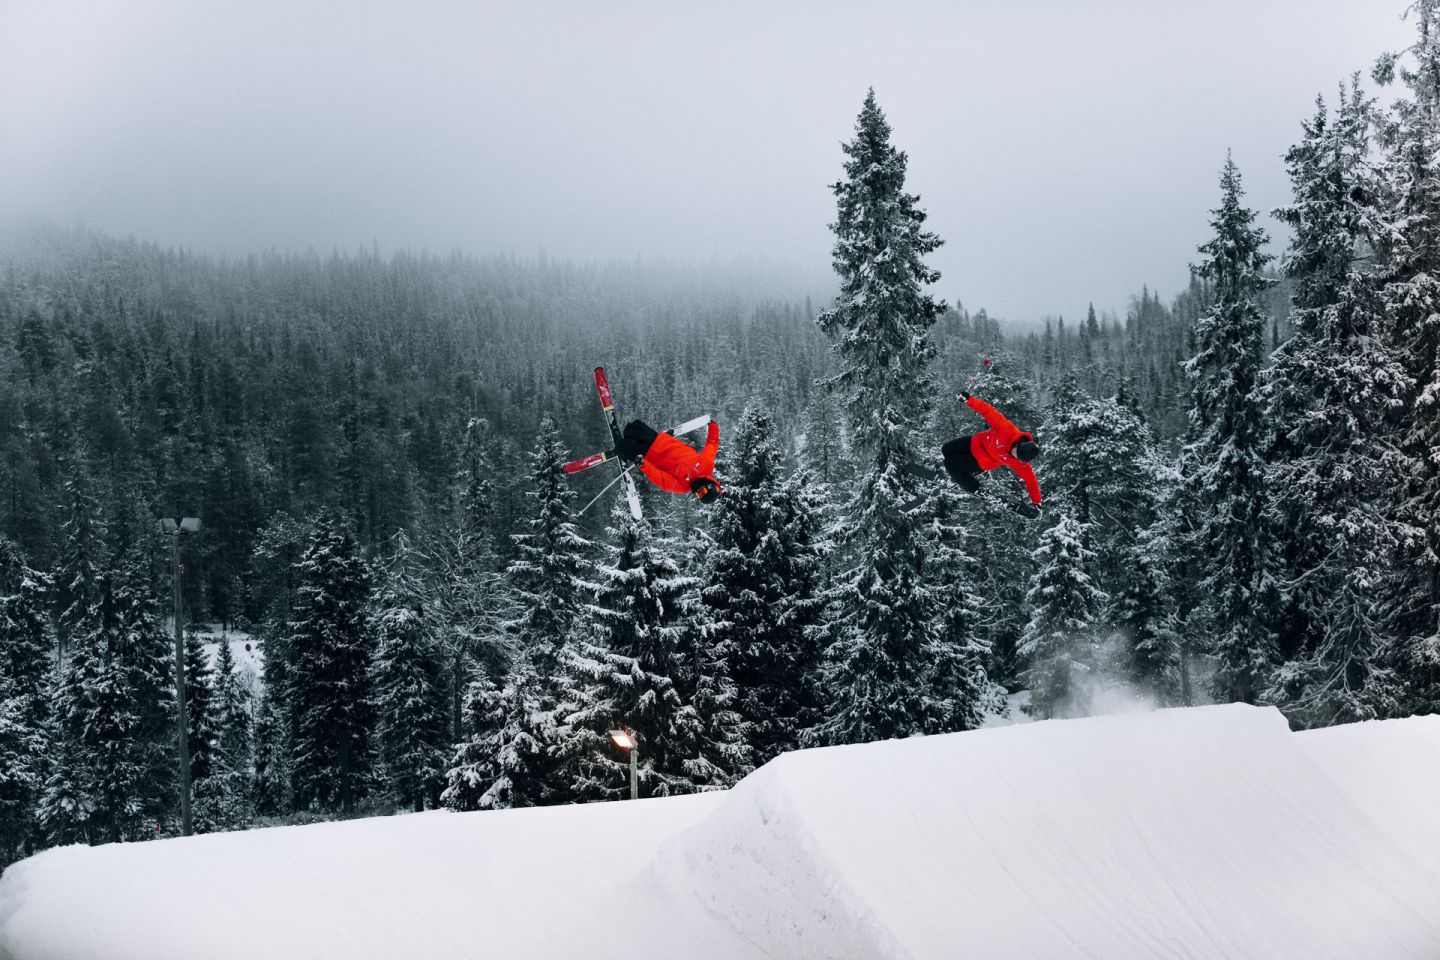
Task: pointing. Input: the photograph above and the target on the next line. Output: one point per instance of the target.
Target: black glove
(964, 396)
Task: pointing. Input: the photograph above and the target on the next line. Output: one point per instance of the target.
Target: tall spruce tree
(1329, 393)
(1223, 454)
(469, 592)
(628, 660)
(330, 689)
(516, 762)
(81, 557)
(879, 677)
(22, 749)
(1409, 254)
(270, 793)
(1061, 641)
(27, 637)
(202, 736)
(760, 590)
(410, 687)
(147, 651)
(100, 790)
(1143, 610)
(234, 751)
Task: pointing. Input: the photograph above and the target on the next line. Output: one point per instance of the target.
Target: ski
(585, 463)
(607, 405)
(915, 503)
(689, 425)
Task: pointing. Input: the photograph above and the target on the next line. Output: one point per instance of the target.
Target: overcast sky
(1066, 151)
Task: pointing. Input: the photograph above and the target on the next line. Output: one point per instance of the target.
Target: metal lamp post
(174, 528)
(625, 740)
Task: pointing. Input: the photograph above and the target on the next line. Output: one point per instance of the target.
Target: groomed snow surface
(1209, 832)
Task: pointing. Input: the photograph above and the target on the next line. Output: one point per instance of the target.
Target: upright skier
(672, 464)
(1004, 444)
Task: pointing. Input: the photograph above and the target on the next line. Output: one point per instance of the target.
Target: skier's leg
(961, 464)
(638, 436)
(959, 447)
(969, 482)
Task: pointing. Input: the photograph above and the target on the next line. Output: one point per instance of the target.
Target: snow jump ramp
(1208, 832)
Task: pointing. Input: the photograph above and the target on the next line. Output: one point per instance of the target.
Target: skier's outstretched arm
(994, 417)
(1027, 473)
(712, 447)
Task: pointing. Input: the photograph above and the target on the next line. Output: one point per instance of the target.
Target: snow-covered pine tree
(202, 733)
(26, 645)
(1060, 641)
(469, 593)
(234, 752)
(825, 452)
(22, 748)
(410, 684)
(270, 785)
(1223, 465)
(93, 795)
(760, 591)
(1143, 610)
(627, 659)
(1409, 254)
(27, 639)
(330, 688)
(81, 557)
(879, 680)
(1100, 461)
(1329, 392)
(516, 762)
(147, 651)
(961, 655)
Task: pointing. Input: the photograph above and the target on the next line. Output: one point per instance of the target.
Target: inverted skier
(1004, 444)
(672, 464)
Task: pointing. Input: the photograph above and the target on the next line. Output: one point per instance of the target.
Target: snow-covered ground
(1210, 832)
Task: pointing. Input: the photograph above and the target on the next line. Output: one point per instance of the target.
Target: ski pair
(595, 459)
(607, 408)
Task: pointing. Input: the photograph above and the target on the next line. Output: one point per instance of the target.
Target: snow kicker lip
(1189, 833)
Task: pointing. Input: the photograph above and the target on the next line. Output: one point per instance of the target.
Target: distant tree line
(1242, 494)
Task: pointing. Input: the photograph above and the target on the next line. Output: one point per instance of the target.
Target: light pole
(625, 740)
(174, 528)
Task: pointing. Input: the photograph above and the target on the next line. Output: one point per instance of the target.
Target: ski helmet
(1027, 450)
(706, 489)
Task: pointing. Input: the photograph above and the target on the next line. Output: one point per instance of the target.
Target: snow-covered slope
(1212, 832)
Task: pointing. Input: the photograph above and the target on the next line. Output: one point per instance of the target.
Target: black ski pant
(961, 464)
(636, 439)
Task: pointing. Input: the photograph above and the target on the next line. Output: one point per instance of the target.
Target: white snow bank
(1211, 832)
(1390, 770)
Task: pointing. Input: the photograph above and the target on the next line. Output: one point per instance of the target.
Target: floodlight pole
(634, 780)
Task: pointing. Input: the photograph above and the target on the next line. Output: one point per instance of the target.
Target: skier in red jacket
(1004, 444)
(673, 464)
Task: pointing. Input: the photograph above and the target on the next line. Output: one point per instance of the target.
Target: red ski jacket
(991, 448)
(673, 464)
